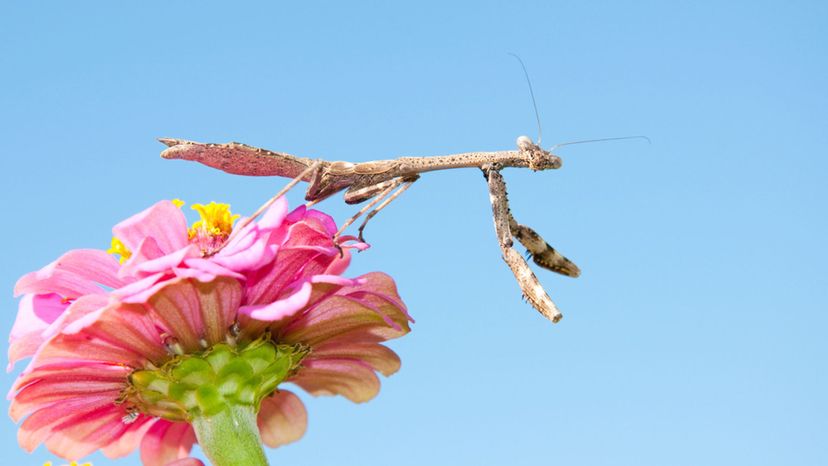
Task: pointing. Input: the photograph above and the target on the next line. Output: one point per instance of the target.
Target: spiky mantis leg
(384, 189)
(528, 282)
(540, 251)
(407, 184)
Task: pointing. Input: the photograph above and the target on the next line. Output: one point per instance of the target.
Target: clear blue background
(697, 333)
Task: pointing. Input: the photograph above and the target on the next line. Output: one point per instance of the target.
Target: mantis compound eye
(524, 143)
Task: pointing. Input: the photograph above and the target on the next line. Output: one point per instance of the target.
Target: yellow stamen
(178, 202)
(73, 463)
(216, 219)
(117, 247)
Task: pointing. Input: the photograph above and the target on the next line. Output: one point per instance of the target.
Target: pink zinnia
(181, 341)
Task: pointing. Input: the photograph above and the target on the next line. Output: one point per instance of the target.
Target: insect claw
(338, 247)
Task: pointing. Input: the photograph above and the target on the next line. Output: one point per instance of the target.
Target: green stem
(231, 437)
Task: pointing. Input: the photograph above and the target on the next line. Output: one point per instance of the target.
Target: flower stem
(231, 437)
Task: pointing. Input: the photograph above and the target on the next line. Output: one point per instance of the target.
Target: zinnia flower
(156, 245)
(183, 343)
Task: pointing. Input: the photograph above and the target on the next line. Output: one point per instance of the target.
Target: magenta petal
(325, 220)
(164, 222)
(296, 214)
(339, 263)
(282, 308)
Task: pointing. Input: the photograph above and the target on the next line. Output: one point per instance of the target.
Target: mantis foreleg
(387, 187)
(407, 184)
(528, 282)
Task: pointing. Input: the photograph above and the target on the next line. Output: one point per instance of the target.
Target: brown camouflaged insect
(377, 180)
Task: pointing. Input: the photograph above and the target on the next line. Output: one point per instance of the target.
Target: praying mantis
(382, 181)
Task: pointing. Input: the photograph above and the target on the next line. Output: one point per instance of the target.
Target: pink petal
(191, 310)
(139, 291)
(379, 357)
(205, 270)
(34, 315)
(80, 435)
(131, 437)
(164, 222)
(322, 219)
(282, 419)
(297, 214)
(254, 256)
(118, 332)
(249, 248)
(186, 462)
(74, 274)
(363, 318)
(279, 309)
(321, 289)
(352, 379)
(219, 303)
(166, 442)
(176, 306)
(167, 262)
(39, 426)
(269, 283)
(147, 250)
(339, 263)
(29, 344)
(43, 387)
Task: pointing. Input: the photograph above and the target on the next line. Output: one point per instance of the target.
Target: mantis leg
(386, 187)
(307, 172)
(528, 282)
(540, 251)
(406, 184)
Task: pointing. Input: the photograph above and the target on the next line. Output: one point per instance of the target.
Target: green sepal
(204, 384)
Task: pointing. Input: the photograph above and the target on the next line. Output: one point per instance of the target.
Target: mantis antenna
(599, 140)
(531, 94)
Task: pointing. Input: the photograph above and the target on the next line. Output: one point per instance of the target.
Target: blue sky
(696, 334)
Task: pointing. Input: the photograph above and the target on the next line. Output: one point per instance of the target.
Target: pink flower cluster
(88, 322)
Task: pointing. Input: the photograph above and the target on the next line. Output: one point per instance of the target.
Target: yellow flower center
(209, 232)
(216, 220)
(120, 249)
(73, 463)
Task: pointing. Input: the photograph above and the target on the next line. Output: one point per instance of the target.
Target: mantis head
(538, 158)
